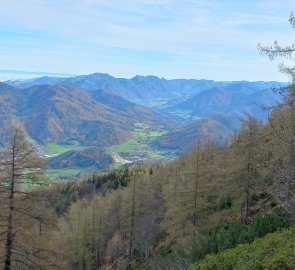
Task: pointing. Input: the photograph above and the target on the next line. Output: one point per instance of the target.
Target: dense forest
(229, 206)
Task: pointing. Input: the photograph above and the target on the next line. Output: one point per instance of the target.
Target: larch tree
(183, 195)
(247, 158)
(148, 223)
(282, 123)
(22, 198)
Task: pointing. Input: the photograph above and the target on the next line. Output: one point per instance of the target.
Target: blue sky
(211, 39)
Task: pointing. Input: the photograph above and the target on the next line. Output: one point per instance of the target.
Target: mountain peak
(98, 75)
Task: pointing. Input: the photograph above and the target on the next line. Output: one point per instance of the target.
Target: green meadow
(142, 136)
(67, 172)
(136, 147)
(57, 149)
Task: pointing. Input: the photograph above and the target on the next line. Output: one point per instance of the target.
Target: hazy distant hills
(69, 114)
(39, 81)
(140, 88)
(148, 90)
(99, 110)
(183, 138)
(235, 98)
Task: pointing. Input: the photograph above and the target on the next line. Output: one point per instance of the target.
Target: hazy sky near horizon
(210, 39)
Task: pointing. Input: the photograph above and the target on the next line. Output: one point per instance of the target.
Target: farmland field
(57, 149)
(135, 149)
(138, 147)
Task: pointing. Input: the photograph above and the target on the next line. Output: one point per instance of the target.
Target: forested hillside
(175, 208)
(67, 114)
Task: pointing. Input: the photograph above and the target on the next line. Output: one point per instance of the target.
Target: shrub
(230, 234)
(274, 251)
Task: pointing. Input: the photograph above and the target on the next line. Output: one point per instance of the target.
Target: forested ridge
(229, 206)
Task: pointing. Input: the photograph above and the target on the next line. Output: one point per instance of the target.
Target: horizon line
(40, 74)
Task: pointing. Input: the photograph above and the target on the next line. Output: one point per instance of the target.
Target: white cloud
(207, 33)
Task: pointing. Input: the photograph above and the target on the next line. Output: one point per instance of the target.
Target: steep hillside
(69, 114)
(131, 110)
(91, 157)
(236, 98)
(11, 101)
(65, 114)
(219, 128)
(206, 202)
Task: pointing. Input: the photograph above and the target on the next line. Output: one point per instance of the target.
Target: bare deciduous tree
(22, 205)
(282, 123)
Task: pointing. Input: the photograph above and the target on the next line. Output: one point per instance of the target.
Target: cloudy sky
(210, 39)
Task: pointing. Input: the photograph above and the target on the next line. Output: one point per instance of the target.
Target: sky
(197, 39)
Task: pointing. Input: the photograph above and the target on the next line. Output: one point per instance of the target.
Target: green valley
(57, 149)
(139, 147)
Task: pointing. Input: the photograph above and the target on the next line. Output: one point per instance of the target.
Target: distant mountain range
(139, 89)
(146, 90)
(219, 127)
(68, 114)
(8, 74)
(236, 98)
(99, 110)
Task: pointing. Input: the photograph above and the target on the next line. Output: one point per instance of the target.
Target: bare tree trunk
(84, 246)
(98, 243)
(93, 245)
(249, 173)
(77, 232)
(132, 221)
(20, 165)
(196, 185)
(291, 178)
(9, 236)
(246, 206)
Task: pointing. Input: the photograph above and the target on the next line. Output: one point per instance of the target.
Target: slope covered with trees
(186, 206)
(68, 114)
